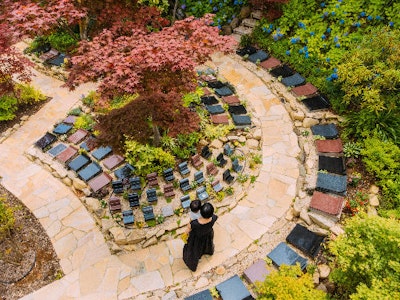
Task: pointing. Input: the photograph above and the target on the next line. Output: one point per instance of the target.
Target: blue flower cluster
(302, 25)
(278, 35)
(295, 40)
(333, 76)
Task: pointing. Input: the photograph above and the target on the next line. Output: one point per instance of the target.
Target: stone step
(249, 23)
(257, 14)
(241, 30)
(236, 36)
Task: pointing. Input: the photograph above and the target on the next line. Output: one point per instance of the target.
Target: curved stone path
(91, 272)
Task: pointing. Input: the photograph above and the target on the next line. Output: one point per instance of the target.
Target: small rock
(330, 115)
(336, 229)
(216, 144)
(223, 139)
(330, 286)
(297, 207)
(289, 215)
(24, 118)
(106, 224)
(16, 126)
(316, 277)
(245, 12)
(324, 271)
(160, 232)
(373, 200)
(252, 144)
(308, 122)
(202, 282)
(242, 139)
(252, 248)
(232, 138)
(150, 242)
(79, 184)
(257, 134)
(92, 204)
(297, 115)
(135, 236)
(115, 248)
(298, 123)
(321, 221)
(220, 270)
(235, 23)
(371, 211)
(322, 287)
(67, 181)
(305, 217)
(118, 235)
(373, 189)
(226, 30)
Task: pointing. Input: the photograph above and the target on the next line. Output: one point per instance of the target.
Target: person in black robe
(201, 237)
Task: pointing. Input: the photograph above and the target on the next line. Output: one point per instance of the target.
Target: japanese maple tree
(144, 117)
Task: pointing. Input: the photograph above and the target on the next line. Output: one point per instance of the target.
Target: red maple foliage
(142, 61)
(272, 9)
(13, 66)
(138, 119)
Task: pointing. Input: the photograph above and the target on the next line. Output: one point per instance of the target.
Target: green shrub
(289, 283)
(119, 101)
(382, 158)
(27, 94)
(367, 255)
(63, 41)
(84, 122)
(7, 219)
(91, 99)
(193, 97)
(8, 107)
(147, 159)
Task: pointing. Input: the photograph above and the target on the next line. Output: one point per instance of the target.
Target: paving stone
(332, 164)
(100, 181)
(316, 102)
(284, 255)
(293, 80)
(328, 131)
(231, 100)
(77, 136)
(101, 152)
(78, 162)
(203, 295)
(305, 90)
(70, 120)
(113, 161)
(167, 211)
(233, 289)
(89, 171)
(270, 63)
(327, 203)
(220, 119)
(57, 149)
(148, 282)
(332, 183)
(258, 57)
(67, 154)
(256, 272)
(45, 140)
(329, 146)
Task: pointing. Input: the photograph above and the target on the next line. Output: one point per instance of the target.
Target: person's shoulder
(214, 218)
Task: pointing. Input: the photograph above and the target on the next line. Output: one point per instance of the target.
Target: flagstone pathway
(91, 272)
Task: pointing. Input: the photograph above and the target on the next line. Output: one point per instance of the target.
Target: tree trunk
(83, 28)
(157, 137)
(174, 12)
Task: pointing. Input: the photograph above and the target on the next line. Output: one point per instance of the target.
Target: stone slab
(209, 100)
(203, 295)
(220, 119)
(233, 289)
(282, 71)
(270, 63)
(79, 162)
(256, 272)
(45, 140)
(77, 136)
(99, 182)
(332, 164)
(231, 100)
(333, 183)
(215, 109)
(329, 146)
(70, 120)
(326, 203)
(101, 152)
(67, 154)
(124, 171)
(305, 240)
(89, 171)
(259, 56)
(237, 110)
(328, 131)
(305, 90)
(317, 102)
(294, 80)
(57, 149)
(62, 128)
(284, 255)
(167, 211)
(113, 161)
(224, 91)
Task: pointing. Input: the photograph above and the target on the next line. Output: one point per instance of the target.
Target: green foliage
(63, 41)
(27, 94)
(8, 107)
(91, 99)
(212, 132)
(383, 160)
(193, 97)
(162, 5)
(289, 283)
(367, 255)
(119, 101)
(183, 146)
(352, 149)
(84, 121)
(245, 40)
(38, 41)
(75, 111)
(7, 219)
(224, 10)
(147, 159)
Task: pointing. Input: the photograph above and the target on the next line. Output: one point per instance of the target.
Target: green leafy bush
(367, 256)
(63, 41)
(8, 107)
(193, 97)
(225, 10)
(147, 159)
(117, 101)
(7, 219)
(289, 283)
(382, 158)
(91, 99)
(27, 94)
(84, 121)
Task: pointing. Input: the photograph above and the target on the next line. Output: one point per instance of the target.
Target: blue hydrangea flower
(336, 39)
(391, 24)
(363, 14)
(326, 14)
(306, 55)
(378, 18)
(240, 2)
(275, 37)
(333, 13)
(264, 29)
(301, 25)
(334, 76)
(340, 1)
(337, 45)
(236, 2)
(329, 78)
(370, 18)
(328, 30)
(323, 4)
(312, 33)
(301, 51)
(328, 60)
(337, 5)
(215, 8)
(323, 36)
(345, 34)
(271, 26)
(219, 26)
(269, 30)
(335, 70)
(341, 22)
(220, 4)
(305, 48)
(287, 52)
(357, 24)
(294, 40)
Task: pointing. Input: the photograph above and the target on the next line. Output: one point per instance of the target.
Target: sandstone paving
(91, 271)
